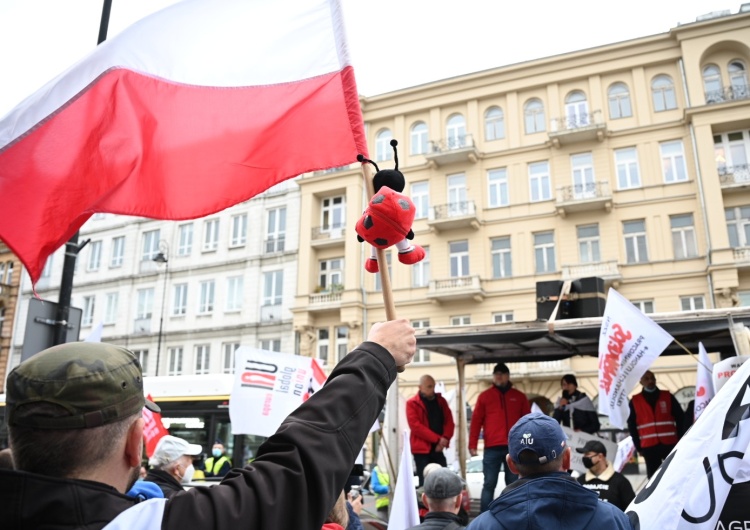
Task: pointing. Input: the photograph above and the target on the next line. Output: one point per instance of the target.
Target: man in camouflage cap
(75, 427)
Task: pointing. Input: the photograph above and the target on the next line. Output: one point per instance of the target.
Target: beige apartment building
(627, 162)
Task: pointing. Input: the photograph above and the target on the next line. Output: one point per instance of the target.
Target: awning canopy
(548, 341)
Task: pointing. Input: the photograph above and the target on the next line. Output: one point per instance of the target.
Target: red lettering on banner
(610, 363)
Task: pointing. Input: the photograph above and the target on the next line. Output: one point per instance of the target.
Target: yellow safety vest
(214, 467)
(381, 499)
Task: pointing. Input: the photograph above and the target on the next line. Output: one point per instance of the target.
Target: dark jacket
(168, 484)
(421, 438)
(439, 521)
(581, 408)
(496, 412)
(311, 454)
(611, 486)
(550, 501)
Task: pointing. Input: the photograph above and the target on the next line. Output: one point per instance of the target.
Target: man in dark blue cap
(545, 496)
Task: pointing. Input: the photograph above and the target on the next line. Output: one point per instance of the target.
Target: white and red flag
(704, 383)
(187, 112)
(153, 429)
(629, 342)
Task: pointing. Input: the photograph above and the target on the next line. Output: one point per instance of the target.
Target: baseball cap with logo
(538, 433)
(443, 484)
(94, 382)
(170, 448)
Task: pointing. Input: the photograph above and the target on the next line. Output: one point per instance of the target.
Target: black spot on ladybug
(378, 198)
(381, 241)
(368, 222)
(404, 204)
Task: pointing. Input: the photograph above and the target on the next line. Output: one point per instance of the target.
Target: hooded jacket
(551, 501)
(311, 454)
(497, 412)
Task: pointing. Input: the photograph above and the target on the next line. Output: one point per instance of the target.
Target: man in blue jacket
(545, 496)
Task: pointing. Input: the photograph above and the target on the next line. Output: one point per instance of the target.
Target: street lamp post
(162, 257)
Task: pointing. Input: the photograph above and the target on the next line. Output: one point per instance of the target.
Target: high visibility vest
(381, 499)
(213, 465)
(655, 426)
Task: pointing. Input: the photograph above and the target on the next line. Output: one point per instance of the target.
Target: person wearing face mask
(601, 477)
(656, 423)
(218, 464)
(172, 464)
(497, 410)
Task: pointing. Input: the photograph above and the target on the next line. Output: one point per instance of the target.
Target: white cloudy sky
(394, 43)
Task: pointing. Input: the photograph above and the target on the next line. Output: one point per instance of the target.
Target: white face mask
(188, 476)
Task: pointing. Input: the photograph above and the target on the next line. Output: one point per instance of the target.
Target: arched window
(383, 149)
(533, 112)
(418, 138)
(712, 83)
(662, 89)
(738, 79)
(456, 131)
(494, 124)
(619, 101)
(576, 110)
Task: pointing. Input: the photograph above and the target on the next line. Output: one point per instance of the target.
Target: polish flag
(187, 112)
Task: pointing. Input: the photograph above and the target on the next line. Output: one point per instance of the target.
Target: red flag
(189, 111)
(153, 429)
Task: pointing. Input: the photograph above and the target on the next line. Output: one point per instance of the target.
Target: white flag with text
(704, 382)
(404, 512)
(629, 342)
(267, 387)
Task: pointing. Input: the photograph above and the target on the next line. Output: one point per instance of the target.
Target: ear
(512, 465)
(458, 501)
(424, 499)
(566, 459)
(134, 444)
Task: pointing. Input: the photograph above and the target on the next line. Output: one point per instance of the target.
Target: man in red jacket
(498, 408)
(431, 424)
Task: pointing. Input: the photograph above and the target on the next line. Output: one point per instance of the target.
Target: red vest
(655, 426)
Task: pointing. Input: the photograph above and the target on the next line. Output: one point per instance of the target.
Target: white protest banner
(404, 512)
(689, 491)
(577, 439)
(267, 387)
(704, 382)
(724, 369)
(629, 342)
(625, 451)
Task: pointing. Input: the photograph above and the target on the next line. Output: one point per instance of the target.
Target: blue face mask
(649, 390)
(216, 453)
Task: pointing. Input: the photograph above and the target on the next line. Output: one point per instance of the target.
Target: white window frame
(185, 239)
(459, 258)
(420, 196)
(646, 306)
(383, 150)
(455, 131)
(389, 261)
(502, 317)
(627, 168)
(275, 230)
(210, 235)
(418, 138)
(202, 359)
(89, 305)
(588, 243)
(273, 287)
(673, 163)
(227, 357)
(582, 173)
(95, 256)
(323, 346)
(497, 187)
(461, 320)
(540, 183)
(458, 204)
(47, 270)
(330, 272)
(112, 301)
(620, 106)
(533, 116)
(692, 303)
(150, 247)
(235, 293)
(684, 242)
(494, 124)
(332, 213)
(422, 355)
(270, 344)
(502, 257)
(636, 241)
(544, 252)
(341, 336)
(663, 94)
(179, 299)
(239, 230)
(142, 356)
(118, 252)
(420, 271)
(145, 303)
(175, 358)
(207, 297)
(738, 226)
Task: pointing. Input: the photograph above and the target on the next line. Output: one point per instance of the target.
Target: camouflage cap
(96, 383)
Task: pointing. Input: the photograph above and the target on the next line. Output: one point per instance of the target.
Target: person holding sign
(656, 422)
(574, 409)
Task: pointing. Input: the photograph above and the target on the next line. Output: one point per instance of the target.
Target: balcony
(270, 314)
(327, 236)
(324, 301)
(274, 244)
(730, 93)
(733, 177)
(531, 369)
(606, 270)
(452, 151)
(742, 256)
(453, 215)
(586, 197)
(461, 288)
(574, 129)
(142, 325)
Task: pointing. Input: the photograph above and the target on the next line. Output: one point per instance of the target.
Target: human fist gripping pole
(388, 217)
(396, 336)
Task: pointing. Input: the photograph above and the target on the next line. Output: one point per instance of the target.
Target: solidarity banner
(629, 342)
(189, 111)
(703, 482)
(704, 382)
(153, 429)
(726, 368)
(268, 386)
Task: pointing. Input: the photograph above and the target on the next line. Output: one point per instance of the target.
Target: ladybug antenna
(361, 159)
(394, 143)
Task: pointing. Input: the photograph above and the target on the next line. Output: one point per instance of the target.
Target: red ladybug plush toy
(389, 215)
